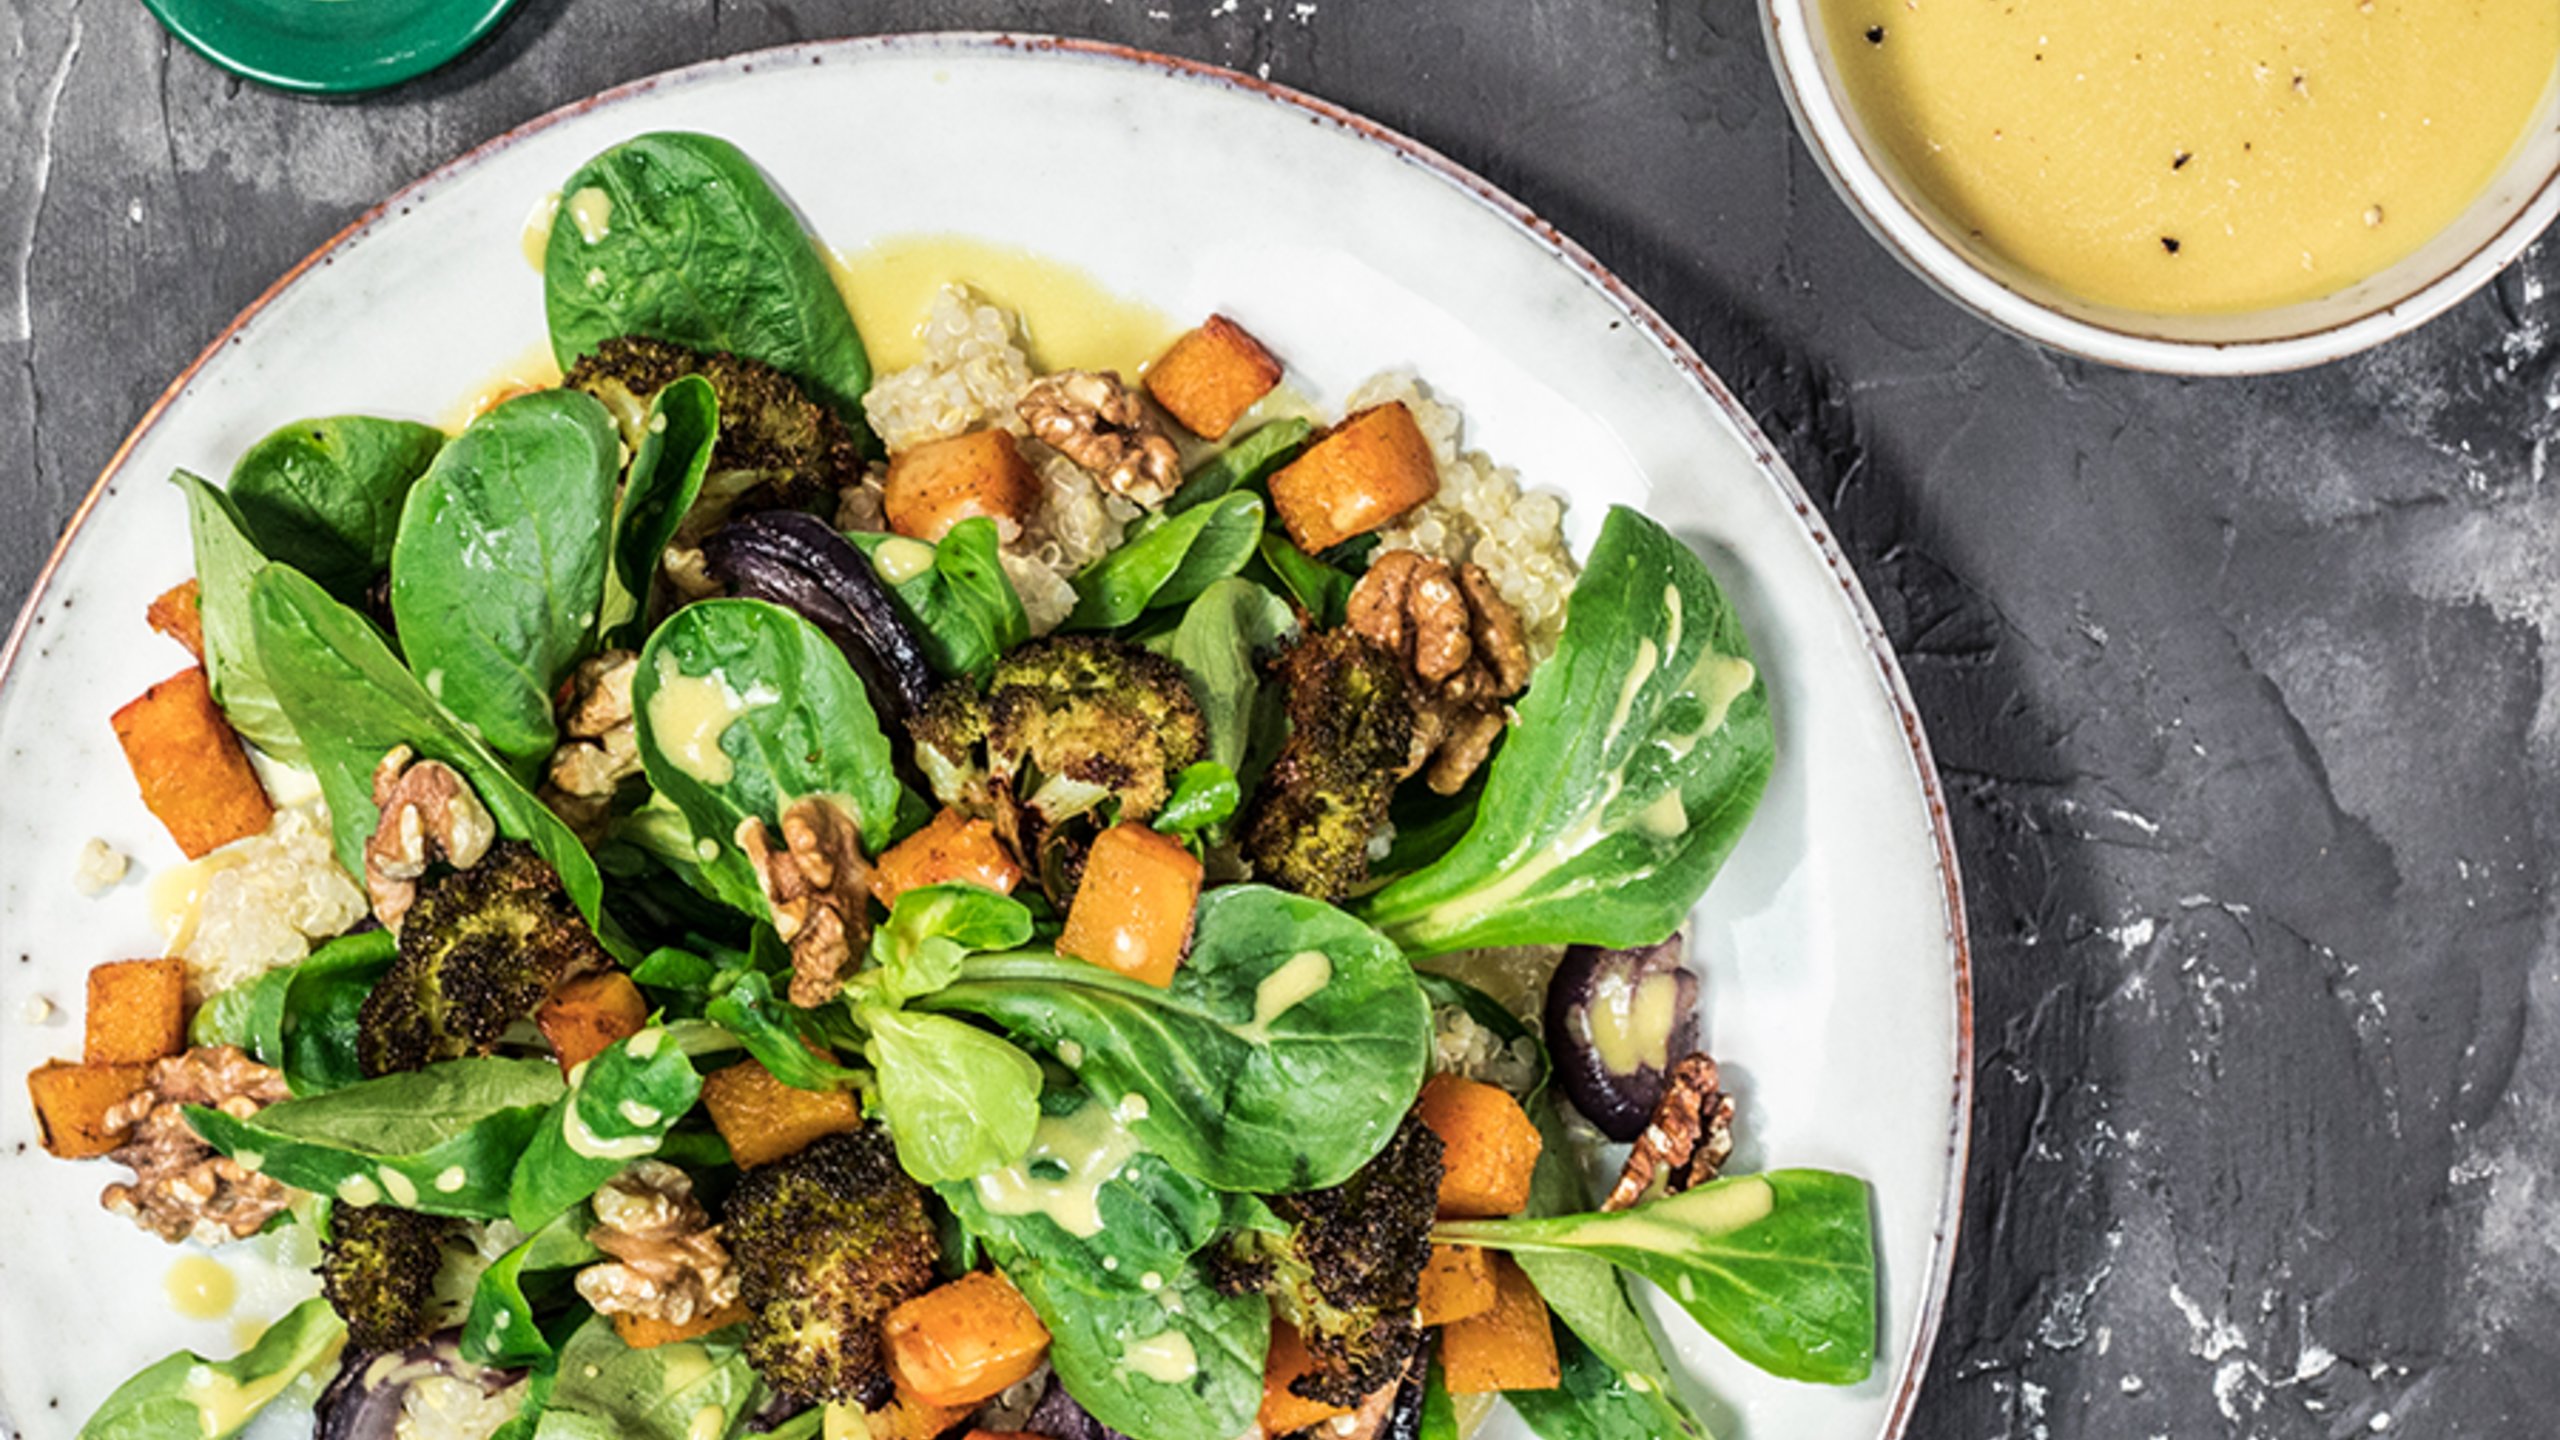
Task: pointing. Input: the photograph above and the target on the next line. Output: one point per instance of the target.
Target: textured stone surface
(2241, 689)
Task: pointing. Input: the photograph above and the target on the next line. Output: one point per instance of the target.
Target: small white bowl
(2506, 218)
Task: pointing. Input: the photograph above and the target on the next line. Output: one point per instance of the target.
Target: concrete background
(2242, 689)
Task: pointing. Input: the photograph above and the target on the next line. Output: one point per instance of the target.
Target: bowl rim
(1914, 1356)
(1822, 122)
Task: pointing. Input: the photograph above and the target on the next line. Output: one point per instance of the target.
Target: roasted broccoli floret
(1350, 732)
(1073, 733)
(479, 950)
(378, 1267)
(778, 449)
(827, 1242)
(1348, 1274)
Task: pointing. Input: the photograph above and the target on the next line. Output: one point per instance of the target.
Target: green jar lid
(329, 47)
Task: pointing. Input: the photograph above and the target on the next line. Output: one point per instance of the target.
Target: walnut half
(428, 814)
(1099, 423)
(1686, 1143)
(1462, 644)
(599, 746)
(668, 1263)
(182, 1189)
(819, 886)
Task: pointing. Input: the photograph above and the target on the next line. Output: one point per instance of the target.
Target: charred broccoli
(479, 950)
(1349, 733)
(827, 1242)
(378, 1267)
(1073, 733)
(1348, 1274)
(777, 449)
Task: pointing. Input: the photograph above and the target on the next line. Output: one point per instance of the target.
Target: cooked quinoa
(266, 899)
(1482, 515)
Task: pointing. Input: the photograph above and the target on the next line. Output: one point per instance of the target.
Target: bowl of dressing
(2210, 187)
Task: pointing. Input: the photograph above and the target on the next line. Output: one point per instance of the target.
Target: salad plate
(1831, 945)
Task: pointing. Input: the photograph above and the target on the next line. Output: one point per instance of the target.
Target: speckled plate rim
(1911, 1364)
(182, 18)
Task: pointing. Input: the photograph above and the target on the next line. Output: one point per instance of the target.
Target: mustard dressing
(1069, 320)
(2198, 157)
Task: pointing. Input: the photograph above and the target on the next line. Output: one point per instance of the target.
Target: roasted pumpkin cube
(585, 1016)
(1509, 1347)
(72, 1102)
(193, 772)
(1285, 1412)
(178, 613)
(951, 849)
(1361, 474)
(137, 1012)
(641, 1332)
(763, 1119)
(1490, 1146)
(1456, 1282)
(1212, 376)
(1132, 911)
(936, 485)
(958, 1344)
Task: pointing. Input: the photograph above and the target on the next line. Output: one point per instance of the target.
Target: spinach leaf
(301, 1018)
(1320, 590)
(622, 1104)
(679, 237)
(1781, 1267)
(933, 928)
(324, 496)
(744, 707)
(1281, 1058)
(1167, 560)
(500, 1328)
(249, 1015)
(1204, 796)
(341, 687)
(1246, 465)
(960, 1101)
(608, 1391)
(1095, 1335)
(1641, 750)
(775, 1035)
(497, 576)
(442, 1140)
(1220, 644)
(226, 561)
(961, 604)
(186, 1394)
(1100, 1212)
(665, 479)
(1593, 1401)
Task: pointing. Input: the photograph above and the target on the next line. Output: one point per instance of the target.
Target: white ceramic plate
(1833, 942)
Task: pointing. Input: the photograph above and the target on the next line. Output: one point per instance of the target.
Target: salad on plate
(735, 895)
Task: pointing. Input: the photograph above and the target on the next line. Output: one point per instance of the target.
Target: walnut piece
(668, 1263)
(600, 745)
(182, 1189)
(428, 814)
(819, 886)
(1462, 644)
(1687, 1141)
(1099, 423)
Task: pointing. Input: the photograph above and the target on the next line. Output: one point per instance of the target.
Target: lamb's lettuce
(187, 1394)
(688, 1390)
(1168, 559)
(226, 562)
(1641, 750)
(665, 479)
(960, 602)
(621, 1105)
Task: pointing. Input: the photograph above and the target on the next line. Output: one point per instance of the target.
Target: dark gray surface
(2240, 687)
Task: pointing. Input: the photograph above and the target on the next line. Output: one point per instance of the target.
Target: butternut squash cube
(936, 485)
(1509, 1347)
(950, 849)
(643, 1333)
(192, 770)
(1490, 1146)
(763, 1119)
(72, 1102)
(1457, 1282)
(585, 1016)
(1285, 1412)
(1132, 911)
(179, 614)
(1363, 473)
(958, 1344)
(137, 1012)
(1212, 376)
